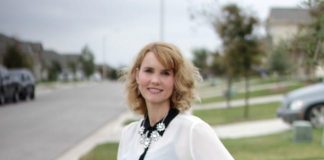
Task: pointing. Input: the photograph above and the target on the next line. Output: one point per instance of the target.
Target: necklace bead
(160, 127)
(147, 142)
(155, 135)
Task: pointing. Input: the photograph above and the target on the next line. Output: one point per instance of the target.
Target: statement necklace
(149, 136)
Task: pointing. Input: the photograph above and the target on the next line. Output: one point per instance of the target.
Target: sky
(115, 30)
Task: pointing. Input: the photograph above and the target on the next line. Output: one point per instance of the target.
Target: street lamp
(161, 20)
(104, 69)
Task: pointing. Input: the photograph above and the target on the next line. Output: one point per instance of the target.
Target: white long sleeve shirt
(186, 138)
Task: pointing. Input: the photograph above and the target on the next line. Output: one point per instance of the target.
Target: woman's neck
(157, 112)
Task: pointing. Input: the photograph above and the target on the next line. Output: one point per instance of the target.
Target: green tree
(54, 70)
(316, 9)
(279, 61)
(113, 74)
(14, 58)
(87, 61)
(217, 65)
(73, 67)
(297, 50)
(200, 60)
(308, 43)
(242, 49)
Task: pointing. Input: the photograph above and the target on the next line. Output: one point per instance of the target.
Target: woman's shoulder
(195, 125)
(189, 119)
(131, 127)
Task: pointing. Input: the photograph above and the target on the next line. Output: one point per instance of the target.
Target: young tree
(279, 60)
(200, 60)
(309, 43)
(316, 9)
(242, 50)
(73, 67)
(54, 70)
(87, 61)
(217, 65)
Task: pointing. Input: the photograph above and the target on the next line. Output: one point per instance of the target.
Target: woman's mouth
(154, 90)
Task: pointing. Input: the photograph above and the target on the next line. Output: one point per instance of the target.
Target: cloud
(118, 27)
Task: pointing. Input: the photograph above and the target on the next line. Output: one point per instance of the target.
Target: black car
(25, 81)
(8, 89)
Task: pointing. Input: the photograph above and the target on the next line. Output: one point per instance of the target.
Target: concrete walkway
(241, 102)
(219, 90)
(251, 129)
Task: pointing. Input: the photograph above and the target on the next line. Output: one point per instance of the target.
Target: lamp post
(161, 20)
(104, 69)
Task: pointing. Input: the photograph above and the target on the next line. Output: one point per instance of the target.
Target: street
(56, 121)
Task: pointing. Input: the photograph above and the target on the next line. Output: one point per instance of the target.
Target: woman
(160, 86)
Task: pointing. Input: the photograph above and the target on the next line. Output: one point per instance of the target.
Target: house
(43, 59)
(69, 63)
(285, 23)
(34, 49)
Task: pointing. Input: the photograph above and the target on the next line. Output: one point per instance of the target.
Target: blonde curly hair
(185, 74)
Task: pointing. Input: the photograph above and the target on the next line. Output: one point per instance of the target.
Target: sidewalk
(251, 129)
(241, 102)
(219, 90)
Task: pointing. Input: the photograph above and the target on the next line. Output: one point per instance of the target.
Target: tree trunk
(227, 92)
(247, 95)
(313, 63)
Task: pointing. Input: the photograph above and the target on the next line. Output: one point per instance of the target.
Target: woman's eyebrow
(167, 70)
(147, 67)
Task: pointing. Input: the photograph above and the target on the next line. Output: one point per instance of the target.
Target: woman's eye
(166, 73)
(148, 70)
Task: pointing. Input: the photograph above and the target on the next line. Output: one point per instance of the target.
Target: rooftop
(289, 15)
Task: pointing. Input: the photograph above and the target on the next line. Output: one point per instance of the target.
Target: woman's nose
(155, 79)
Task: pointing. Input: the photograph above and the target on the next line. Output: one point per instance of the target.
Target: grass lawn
(235, 114)
(276, 147)
(258, 80)
(271, 147)
(106, 151)
(259, 93)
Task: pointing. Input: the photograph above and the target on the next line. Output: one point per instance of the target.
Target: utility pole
(104, 67)
(161, 20)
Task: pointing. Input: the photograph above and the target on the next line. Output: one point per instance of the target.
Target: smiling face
(155, 82)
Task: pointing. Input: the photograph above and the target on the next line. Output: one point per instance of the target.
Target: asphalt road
(55, 121)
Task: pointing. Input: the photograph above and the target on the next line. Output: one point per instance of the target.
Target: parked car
(8, 90)
(25, 81)
(306, 103)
